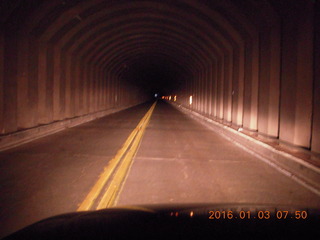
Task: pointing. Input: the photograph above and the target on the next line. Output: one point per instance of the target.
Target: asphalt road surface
(178, 161)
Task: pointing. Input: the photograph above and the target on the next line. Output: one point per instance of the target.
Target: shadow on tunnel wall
(251, 64)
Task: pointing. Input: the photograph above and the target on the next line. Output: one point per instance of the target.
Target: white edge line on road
(270, 163)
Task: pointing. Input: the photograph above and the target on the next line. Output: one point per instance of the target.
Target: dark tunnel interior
(109, 103)
(248, 64)
(154, 74)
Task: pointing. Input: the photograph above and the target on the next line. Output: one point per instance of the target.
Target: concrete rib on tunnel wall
(251, 64)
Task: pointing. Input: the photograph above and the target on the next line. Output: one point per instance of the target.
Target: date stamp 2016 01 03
(263, 214)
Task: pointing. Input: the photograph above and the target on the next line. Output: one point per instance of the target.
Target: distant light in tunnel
(156, 95)
(190, 100)
(174, 98)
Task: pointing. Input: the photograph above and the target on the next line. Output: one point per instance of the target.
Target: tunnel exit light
(190, 100)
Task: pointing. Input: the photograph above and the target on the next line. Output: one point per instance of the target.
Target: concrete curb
(299, 170)
(28, 135)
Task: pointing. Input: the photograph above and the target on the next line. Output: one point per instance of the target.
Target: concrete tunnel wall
(250, 64)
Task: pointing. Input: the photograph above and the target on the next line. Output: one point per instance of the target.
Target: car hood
(221, 221)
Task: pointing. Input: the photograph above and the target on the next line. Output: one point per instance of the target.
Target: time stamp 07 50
(263, 214)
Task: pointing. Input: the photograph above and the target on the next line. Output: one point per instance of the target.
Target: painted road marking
(110, 195)
(132, 142)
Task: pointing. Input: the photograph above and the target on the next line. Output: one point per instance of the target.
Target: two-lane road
(178, 161)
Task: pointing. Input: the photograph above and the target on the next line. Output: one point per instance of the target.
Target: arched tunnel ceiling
(186, 36)
(244, 63)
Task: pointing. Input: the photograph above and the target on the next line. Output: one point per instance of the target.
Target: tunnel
(249, 66)
(67, 59)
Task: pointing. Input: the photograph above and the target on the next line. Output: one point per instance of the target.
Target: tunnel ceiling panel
(107, 33)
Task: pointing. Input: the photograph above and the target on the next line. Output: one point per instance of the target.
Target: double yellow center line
(122, 160)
